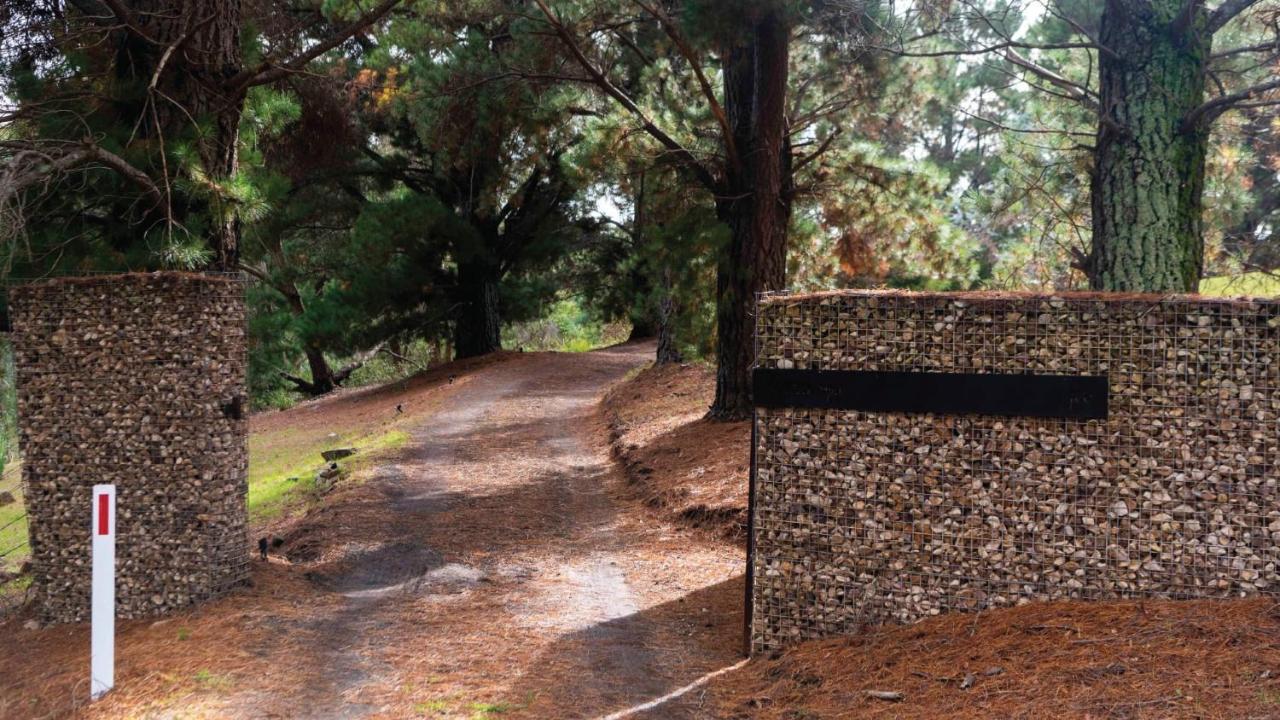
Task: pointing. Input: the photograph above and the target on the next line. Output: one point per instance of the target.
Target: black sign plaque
(1010, 394)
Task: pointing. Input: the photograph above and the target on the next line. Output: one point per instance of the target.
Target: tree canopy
(412, 181)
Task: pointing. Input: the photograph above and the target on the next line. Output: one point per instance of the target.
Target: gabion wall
(866, 517)
(137, 380)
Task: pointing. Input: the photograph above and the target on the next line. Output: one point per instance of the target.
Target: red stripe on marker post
(104, 514)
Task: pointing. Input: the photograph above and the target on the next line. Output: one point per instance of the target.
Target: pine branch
(817, 153)
(1009, 45)
(269, 71)
(31, 165)
(683, 155)
(1074, 90)
(127, 20)
(1269, 46)
(1210, 110)
(717, 110)
(1226, 11)
(1082, 30)
(358, 362)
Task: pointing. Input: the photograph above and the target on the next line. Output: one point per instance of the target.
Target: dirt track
(495, 565)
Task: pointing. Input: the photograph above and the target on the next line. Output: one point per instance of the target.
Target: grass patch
(1257, 284)
(484, 710)
(13, 535)
(209, 680)
(437, 706)
(283, 464)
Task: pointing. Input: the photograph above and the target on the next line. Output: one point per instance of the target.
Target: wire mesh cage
(136, 380)
(866, 517)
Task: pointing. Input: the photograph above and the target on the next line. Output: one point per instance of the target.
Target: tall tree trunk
(478, 325)
(199, 43)
(668, 351)
(756, 205)
(322, 378)
(1148, 175)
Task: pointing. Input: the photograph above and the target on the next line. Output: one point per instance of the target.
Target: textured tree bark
(1148, 175)
(478, 325)
(668, 350)
(756, 206)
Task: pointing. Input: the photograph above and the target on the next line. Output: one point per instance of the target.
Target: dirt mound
(1201, 659)
(692, 468)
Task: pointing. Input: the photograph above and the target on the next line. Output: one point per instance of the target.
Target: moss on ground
(13, 524)
(1256, 284)
(283, 465)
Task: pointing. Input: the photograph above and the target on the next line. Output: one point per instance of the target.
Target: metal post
(102, 653)
(751, 544)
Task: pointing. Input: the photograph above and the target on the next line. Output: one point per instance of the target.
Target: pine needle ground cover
(689, 469)
(1129, 659)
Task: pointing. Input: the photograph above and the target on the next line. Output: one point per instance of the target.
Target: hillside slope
(691, 469)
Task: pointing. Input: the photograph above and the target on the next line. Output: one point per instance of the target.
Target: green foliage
(568, 327)
(444, 152)
(680, 256)
(13, 529)
(13, 536)
(666, 251)
(889, 224)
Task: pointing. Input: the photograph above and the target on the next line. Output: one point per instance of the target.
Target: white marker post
(102, 662)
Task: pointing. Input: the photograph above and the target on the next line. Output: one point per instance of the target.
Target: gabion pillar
(136, 380)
